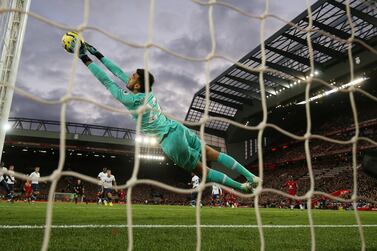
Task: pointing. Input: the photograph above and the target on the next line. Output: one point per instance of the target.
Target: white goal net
(262, 68)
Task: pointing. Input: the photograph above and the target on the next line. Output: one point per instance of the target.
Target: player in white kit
(10, 181)
(35, 183)
(3, 182)
(216, 193)
(195, 181)
(100, 194)
(108, 182)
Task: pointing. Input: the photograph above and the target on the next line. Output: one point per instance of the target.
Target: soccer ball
(70, 40)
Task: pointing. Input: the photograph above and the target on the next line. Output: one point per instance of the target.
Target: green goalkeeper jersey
(153, 122)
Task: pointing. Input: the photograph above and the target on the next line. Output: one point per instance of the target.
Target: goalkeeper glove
(82, 55)
(94, 51)
(82, 51)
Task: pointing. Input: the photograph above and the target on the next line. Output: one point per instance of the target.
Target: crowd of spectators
(287, 157)
(323, 182)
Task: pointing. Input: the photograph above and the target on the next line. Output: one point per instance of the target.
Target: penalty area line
(177, 226)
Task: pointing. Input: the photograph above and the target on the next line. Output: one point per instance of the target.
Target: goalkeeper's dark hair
(141, 73)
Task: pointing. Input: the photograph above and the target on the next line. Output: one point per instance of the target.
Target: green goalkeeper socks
(221, 178)
(232, 164)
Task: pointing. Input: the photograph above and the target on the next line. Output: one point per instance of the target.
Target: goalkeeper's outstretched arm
(115, 69)
(115, 90)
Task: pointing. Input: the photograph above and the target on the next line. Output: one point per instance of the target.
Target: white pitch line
(177, 226)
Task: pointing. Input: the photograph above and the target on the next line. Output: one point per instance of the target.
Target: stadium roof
(235, 94)
(43, 126)
(45, 134)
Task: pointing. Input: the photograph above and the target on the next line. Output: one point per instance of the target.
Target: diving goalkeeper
(178, 142)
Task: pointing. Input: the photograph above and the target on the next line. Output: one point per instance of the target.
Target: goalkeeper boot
(110, 204)
(247, 187)
(256, 180)
(105, 202)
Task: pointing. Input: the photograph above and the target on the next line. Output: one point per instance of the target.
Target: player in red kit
(292, 190)
(122, 196)
(292, 187)
(28, 190)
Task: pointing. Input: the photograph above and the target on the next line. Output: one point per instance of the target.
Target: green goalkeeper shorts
(183, 147)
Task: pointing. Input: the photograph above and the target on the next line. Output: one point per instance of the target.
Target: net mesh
(260, 128)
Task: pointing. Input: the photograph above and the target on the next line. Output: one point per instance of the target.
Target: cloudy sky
(179, 25)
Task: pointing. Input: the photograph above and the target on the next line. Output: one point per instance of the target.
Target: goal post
(12, 31)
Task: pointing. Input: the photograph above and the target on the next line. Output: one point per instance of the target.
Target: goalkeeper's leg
(222, 178)
(230, 163)
(184, 147)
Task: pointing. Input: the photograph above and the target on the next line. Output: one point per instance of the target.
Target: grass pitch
(22, 228)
